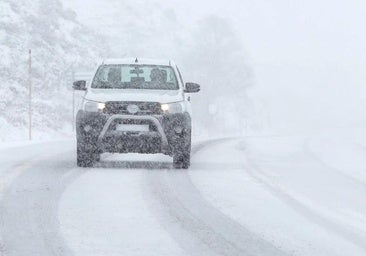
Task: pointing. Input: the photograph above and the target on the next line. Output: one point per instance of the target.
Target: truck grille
(145, 108)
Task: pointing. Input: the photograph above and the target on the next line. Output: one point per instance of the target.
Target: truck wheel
(86, 154)
(182, 152)
(182, 160)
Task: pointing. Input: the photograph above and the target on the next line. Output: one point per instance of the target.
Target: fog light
(87, 128)
(178, 129)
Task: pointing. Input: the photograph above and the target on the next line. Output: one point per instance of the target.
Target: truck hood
(162, 96)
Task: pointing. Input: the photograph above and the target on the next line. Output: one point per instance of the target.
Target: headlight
(175, 107)
(93, 106)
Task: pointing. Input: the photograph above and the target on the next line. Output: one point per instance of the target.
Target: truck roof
(140, 61)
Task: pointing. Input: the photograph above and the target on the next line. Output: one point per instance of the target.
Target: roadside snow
(345, 157)
(273, 188)
(302, 196)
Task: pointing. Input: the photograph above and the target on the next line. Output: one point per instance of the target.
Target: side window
(171, 76)
(180, 76)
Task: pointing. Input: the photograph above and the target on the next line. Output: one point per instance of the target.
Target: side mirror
(192, 87)
(79, 85)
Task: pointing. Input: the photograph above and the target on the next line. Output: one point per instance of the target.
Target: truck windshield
(135, 77)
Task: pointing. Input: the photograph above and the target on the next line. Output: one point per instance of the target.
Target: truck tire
(182, 152)
(86, 154)
(182, 160)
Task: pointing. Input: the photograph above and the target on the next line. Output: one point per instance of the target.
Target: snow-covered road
(246, 196)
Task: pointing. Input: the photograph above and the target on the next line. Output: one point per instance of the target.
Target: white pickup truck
(135, 105)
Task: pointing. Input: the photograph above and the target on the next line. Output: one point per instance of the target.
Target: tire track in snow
(343, 231)
(307, 150)
(29, 208)
(4, 183)
(195, 224)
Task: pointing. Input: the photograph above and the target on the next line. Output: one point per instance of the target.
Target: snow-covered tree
(58, 42)
(216, 59)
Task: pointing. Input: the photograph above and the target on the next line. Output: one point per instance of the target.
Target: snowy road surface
(246, 196)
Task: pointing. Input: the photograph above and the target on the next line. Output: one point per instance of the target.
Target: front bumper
(162, 137)
(152, 119)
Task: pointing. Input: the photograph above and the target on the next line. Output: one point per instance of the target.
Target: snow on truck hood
(162, 96)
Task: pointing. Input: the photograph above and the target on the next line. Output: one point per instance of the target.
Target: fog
(309, 60)
(307, 57)
(264, 67)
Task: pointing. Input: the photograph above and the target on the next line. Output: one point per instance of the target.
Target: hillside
(209, 53)
(59, 43)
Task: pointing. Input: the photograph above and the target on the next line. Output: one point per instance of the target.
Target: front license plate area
(132, 127)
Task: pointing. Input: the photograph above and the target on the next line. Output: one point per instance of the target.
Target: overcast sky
(327, 30)
(309, 56)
